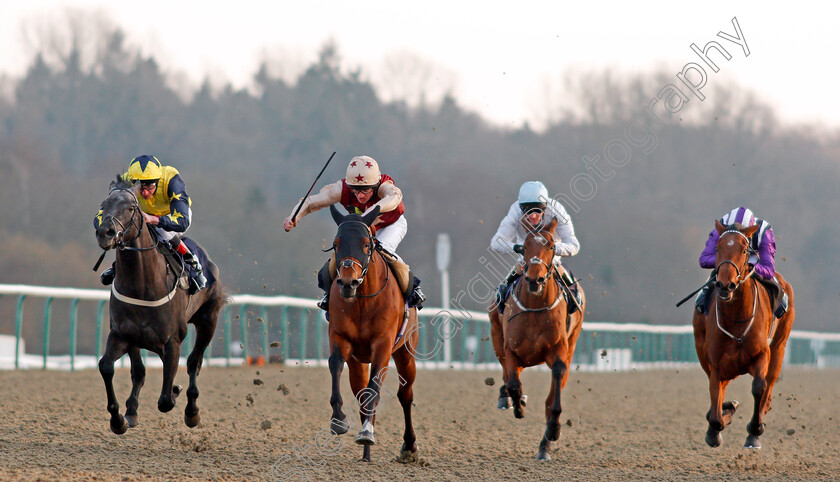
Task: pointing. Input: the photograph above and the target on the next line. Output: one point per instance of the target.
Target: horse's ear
(719, 226)
(112, 185)
(370, 217)
(750, 230)
(551, 226)
(336, 215)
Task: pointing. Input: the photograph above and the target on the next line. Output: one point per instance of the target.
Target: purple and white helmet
(740, 215)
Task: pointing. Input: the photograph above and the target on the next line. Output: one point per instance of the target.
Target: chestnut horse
(149, 310)
(740, 335)
(535, 328)
(367, 326)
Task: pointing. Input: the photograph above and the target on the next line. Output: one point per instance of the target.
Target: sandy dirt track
(616, 426)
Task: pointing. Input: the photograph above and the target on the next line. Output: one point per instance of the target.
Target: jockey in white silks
(535, 209)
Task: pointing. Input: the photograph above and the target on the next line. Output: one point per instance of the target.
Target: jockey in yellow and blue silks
(165, 205)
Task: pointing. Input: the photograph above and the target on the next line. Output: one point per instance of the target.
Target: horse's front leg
(720, 413)
(755, 427)
(552, 409)
(369, 397)
(338, 354)
(497, 335)
(168, 393)
(114, 349)
(514, 386)
(138, 378)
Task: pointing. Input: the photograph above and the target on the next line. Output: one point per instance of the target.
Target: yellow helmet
(145, 168)
(363, 172)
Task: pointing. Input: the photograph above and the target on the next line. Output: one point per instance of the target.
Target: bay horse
(149, 310)
(366, 326)
(535, 328)
(740, 335)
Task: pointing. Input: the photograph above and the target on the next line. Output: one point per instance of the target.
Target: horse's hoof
(193, 421)
(543, 456)
(365, 437)
(713, 438)
(407, 457)
(166, 405)
(730, 406)
(339, 427)
(519, 411)
(505, 403)
(133, 420)
(365, 459)
(752, 442)
(552, 431)
(524, 400)
(120, 426)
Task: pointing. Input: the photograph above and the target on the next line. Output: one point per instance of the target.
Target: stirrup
(324, 303)
(107, 276)
(783, 307)
(417, 297)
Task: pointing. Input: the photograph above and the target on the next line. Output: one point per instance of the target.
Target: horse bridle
(135, 209)
(348, 262)
(747, 251)
(549, 275)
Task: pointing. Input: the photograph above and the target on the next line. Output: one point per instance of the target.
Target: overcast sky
(497, 58)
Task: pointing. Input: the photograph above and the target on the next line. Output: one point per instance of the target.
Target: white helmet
(363, 172)
(533, 192)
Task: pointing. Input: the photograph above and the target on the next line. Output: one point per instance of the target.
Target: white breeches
(392, 235)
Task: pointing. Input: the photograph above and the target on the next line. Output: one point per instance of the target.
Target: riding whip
(310, 187)
(707, 283)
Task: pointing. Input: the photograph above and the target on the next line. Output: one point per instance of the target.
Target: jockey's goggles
(532, 208)
(362, 188)
(148, 183)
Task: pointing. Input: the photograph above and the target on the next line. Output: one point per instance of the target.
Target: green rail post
(285, 336)
(319, 329)
(264, 317)
(303, 319)
(98, 343)
(73, 313)
(227, 335)
(18, 329)
(243, 333)
(47, 304)
(284, 328)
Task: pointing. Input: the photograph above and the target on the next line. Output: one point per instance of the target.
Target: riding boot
(781, 301)
(701, 303)
(572, 286)
(417, 298)
(107, 276)
(501, 294)
(325, 283)
(198, 281)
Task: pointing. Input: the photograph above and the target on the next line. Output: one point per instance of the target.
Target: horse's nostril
(355, 283)
(110, 233)
(731, 286)
(340, 282)
(541, 280)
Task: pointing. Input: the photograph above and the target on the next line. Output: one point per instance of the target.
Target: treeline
(248, 155)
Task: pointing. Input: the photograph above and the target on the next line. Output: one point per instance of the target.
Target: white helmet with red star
(362, 173)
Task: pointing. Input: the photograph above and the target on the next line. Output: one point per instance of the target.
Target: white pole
(444, 249)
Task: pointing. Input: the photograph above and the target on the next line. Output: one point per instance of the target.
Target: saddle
(175, 262)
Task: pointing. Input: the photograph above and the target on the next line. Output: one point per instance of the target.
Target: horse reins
(748, 251)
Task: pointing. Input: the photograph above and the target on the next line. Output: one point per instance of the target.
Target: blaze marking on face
(540, 239)
(731, 242)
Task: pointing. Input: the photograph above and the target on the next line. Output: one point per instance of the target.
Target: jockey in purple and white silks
(762, 257)
(535, 208)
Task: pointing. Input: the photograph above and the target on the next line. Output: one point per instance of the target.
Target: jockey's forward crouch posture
(762, 258)
(165, 205)
(363, 188)
(532, 210)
